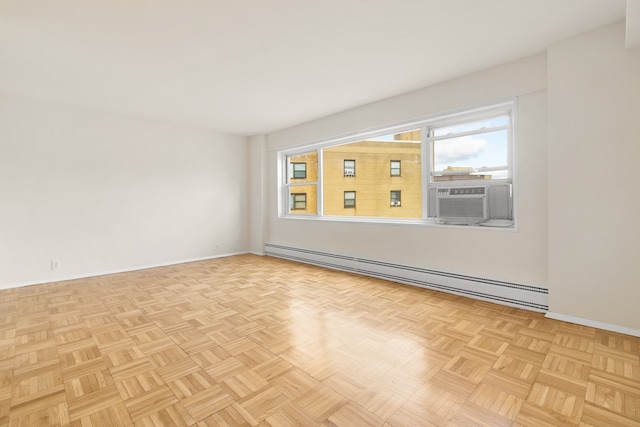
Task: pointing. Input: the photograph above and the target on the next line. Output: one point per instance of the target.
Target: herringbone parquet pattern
(249, 340)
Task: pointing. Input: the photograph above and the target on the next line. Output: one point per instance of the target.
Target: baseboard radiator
(512, 294)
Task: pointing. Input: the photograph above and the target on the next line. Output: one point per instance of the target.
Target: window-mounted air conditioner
(349, 173)
(488, 204)
(395, 203)
(467, 205)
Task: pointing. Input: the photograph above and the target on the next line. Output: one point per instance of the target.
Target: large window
(456, 169)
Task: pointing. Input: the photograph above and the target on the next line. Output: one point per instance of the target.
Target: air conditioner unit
(349, 173)
(395, 203)
(489, 204)
(462, 205)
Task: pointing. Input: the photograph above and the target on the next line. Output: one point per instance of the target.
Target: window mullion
(301, 184)
(320, 184)
(469, 133)
(426, 145)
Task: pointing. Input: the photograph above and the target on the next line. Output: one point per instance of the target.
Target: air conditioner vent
(462, 205)
(466, 191)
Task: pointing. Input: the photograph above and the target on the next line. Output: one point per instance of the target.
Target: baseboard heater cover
(512, 294)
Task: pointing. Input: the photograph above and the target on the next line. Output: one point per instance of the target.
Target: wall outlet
(217, 245)
(55, 264)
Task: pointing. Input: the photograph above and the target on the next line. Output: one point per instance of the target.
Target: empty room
(337, 213)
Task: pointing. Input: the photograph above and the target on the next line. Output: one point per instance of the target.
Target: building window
(298, 201)
(395, 198)
(349, 199)
(299, 170)
(349, 168)
(395, 167)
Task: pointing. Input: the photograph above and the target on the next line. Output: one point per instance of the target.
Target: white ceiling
(254, 66)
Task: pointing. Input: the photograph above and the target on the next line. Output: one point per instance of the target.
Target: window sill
(430, 223)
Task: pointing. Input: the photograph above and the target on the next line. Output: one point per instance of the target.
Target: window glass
(298, 201)
(395, 167)
(349, 199)
(474, 126)
(413, 167)
(467, 151)
(395, 198)
(349, 168)
(302, 199)
(302, 184)
(298, 170)
(372, 180)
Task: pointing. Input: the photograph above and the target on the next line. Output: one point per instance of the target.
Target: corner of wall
(257, 193)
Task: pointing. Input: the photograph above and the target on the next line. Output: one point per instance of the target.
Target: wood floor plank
(258, 341)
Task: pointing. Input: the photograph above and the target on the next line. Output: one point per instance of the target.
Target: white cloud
(454, 150)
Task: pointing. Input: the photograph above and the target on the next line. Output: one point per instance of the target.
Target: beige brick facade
(372, 180)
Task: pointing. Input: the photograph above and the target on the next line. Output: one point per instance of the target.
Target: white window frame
(426, 125)
(285, 183)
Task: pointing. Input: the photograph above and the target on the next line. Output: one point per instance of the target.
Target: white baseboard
(518, 295)
(104, 273)
(594, 324)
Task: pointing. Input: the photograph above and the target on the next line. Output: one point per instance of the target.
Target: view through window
(397, 174)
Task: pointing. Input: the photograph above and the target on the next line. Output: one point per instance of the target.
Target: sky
(487, 149)
(476, 151)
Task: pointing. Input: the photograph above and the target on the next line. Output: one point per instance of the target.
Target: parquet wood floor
(258, 341)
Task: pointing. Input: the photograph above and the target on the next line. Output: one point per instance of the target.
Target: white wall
(577, 175)
(519, 256)
(106, 193)
(257, 193)
(594, 178)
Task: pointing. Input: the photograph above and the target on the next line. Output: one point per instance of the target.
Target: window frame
(288, 185)
(345, 199)
(427, 125)
(345, 168)
(293, 170)
(391, 168)
(397, 199)
(432, 139)
(293, 205)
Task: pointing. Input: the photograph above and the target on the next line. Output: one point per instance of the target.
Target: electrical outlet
(55, 264)
(217, 245)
